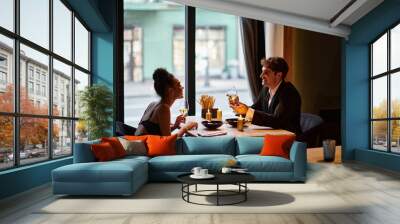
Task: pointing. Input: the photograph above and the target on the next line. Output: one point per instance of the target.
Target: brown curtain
(253, 38)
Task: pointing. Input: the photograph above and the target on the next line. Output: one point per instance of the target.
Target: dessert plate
(208, 176)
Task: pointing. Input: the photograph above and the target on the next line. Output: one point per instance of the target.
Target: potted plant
(96, 102)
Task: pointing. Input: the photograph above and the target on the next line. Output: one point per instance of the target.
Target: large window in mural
(154, 36)
(385, 91)
(44, 63)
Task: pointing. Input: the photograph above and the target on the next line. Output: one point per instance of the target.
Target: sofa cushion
(134, 147)
(103, 152)
(206, 145)
(277, 145)
(185, 163)
(257, 163)
(249, 145)
(131, 158)
(116, 145)
(161, 145)
(112, 171)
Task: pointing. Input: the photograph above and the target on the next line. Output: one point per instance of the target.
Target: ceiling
(319, 9)
(333, 17)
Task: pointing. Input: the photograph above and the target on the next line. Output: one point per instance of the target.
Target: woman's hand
(179, 119)
(190, 125)
(186, 127)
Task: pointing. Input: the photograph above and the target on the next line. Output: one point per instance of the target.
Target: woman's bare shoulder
(163, 109)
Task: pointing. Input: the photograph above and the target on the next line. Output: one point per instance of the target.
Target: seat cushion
(249, 145)
(257, 163)
(185, 163)
(206, 145)
(111, 171)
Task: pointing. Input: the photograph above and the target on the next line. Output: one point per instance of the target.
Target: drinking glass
(232, 95)
(183, 108)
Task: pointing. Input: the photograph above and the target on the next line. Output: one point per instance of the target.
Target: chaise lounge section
(125, 176)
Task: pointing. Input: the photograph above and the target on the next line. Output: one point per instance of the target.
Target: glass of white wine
(232, 96)
(183, 108)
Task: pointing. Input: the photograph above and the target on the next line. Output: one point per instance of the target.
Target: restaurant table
(249, 129)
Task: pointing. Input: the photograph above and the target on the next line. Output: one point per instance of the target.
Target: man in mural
(278, 104)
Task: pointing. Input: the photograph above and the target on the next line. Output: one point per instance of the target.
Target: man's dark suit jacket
(284, 110)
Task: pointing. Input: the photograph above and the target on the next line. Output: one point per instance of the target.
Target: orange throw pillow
(103, 152)
(277, 145)
(135, 138)
(161, 145)
(116, 145)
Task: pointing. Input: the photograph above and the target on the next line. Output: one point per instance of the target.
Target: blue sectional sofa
(125, 176)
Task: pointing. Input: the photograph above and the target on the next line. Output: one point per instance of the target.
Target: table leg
(196, 188)
(217, 194)
(245, 193)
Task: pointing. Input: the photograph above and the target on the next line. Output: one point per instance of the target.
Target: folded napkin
(206, 133)
(212, 133)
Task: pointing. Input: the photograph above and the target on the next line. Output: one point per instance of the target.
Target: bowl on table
(212, 124)
(233, 122)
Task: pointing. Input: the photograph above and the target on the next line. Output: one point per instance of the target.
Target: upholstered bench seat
(167, 168)
(257, 163)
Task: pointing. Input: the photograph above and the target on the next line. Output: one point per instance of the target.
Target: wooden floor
(378, 189)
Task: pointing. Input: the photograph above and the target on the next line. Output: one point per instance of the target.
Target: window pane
(33, 139)
(379, 135)
(81, 81)
(6, 142)
(35, 21)
(7, 14)
(150, 41)
(6, 74)
(395, 47)
(395, 138)
(395, 95)
(62, 29)
(218, 59)
(81, 131)
(62, 138)
(133, 61)
(379, 55)
(81, 45)
(379, 98)
(62, 89)
(34, 72)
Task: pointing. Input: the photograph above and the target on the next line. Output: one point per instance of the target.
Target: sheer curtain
(274, 42)
(253, 38)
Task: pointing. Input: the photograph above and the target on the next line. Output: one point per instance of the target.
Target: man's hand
(240, 108)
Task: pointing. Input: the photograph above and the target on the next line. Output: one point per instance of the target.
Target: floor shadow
(256, 198)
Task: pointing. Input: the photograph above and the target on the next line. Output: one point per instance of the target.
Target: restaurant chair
(311, 127)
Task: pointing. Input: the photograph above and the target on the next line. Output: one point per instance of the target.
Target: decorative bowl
(233, 122)
(212, 124)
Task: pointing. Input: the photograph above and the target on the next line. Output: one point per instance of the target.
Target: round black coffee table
(238, 179)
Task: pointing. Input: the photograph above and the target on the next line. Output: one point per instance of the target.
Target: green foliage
(96, 102)
(380, 127)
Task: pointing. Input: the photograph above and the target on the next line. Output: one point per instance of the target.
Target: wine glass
(232, 95)
(183, 108)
